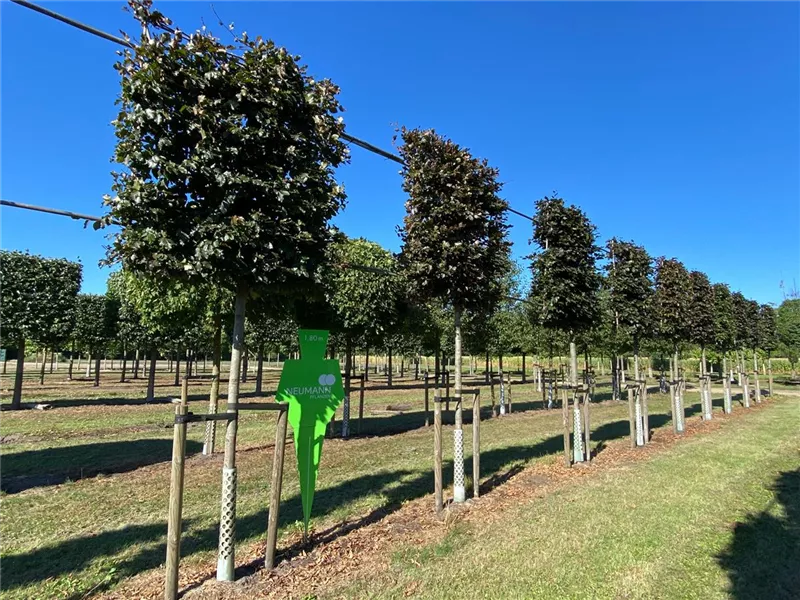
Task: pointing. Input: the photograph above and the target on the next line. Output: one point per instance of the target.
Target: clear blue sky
(676, 125)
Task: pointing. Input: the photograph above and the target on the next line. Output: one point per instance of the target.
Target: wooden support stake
(275, 488)
(447, 390)
(361, 401)
(565, 414)
(476, 443)
(587, 434)
(427, 405)
(631, 418)
(508, 392)
(491, 383)
(645, 415)
(174, 518)
(437, 452)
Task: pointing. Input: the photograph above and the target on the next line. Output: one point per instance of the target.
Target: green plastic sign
(313, 388)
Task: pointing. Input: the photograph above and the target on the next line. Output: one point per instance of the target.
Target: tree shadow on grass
(52, 466)
(395, 488)
(763, 558)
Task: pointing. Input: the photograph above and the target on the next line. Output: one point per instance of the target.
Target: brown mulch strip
(349, 550)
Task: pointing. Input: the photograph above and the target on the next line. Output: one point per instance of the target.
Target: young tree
(787, 321)
(454, 248)
(37, 298)
(95, 326)
(366, 303)
(565, 281)
(768, 336)
(671, 303)
(229, 155)
(724, 332)
(630, 294)
(701, 314)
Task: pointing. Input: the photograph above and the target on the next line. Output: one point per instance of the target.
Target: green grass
(60, 540)
(715, 517)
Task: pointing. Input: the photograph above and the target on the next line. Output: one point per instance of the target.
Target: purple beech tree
(227, 157)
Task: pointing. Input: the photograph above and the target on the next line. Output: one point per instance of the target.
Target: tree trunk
(151, 376)
(769, 373)
(136, 364)
(96, 371)
(437, 367)
(389, 372)
(573, 363)
(177, 367)
(245, 363)
(89, 365)
(486, 370)
(577, 427)
(213, 398)
(638, 407)
(259, 369)
(500, 362)
(459, 490)
(124, 363)
(16, 399)
(227, 526)
(71, 361)
(366, 364)
(52, 359)
(523, 368)
(678, 411)
(44, 366)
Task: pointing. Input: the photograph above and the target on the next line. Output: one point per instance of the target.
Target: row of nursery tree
(221, 215)
(636, 305)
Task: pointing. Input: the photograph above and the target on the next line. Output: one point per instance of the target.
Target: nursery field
(712, 514)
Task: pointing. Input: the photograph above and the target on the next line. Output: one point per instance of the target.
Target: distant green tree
(37, 301)
(787, 320)
(95, 326)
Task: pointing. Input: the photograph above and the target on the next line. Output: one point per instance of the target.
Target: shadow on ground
(53, 466)
(396, 487)
(763, 559)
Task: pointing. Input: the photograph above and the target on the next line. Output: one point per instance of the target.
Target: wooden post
(523, 368)
(631, 418)
(427, 405)
(645, 415)
(176, 497)
(769, 370)
(565, 414)
(361, 401)
(491, 383)
(587, 434)
(447, 388)
(437, 452)
(476, 443)
(275, 488)
(508, 391)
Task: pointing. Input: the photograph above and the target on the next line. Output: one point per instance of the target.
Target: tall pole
(174, 520)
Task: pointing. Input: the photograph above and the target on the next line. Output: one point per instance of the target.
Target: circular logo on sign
(326, 379)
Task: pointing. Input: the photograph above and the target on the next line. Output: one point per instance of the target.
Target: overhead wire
(123, 42)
